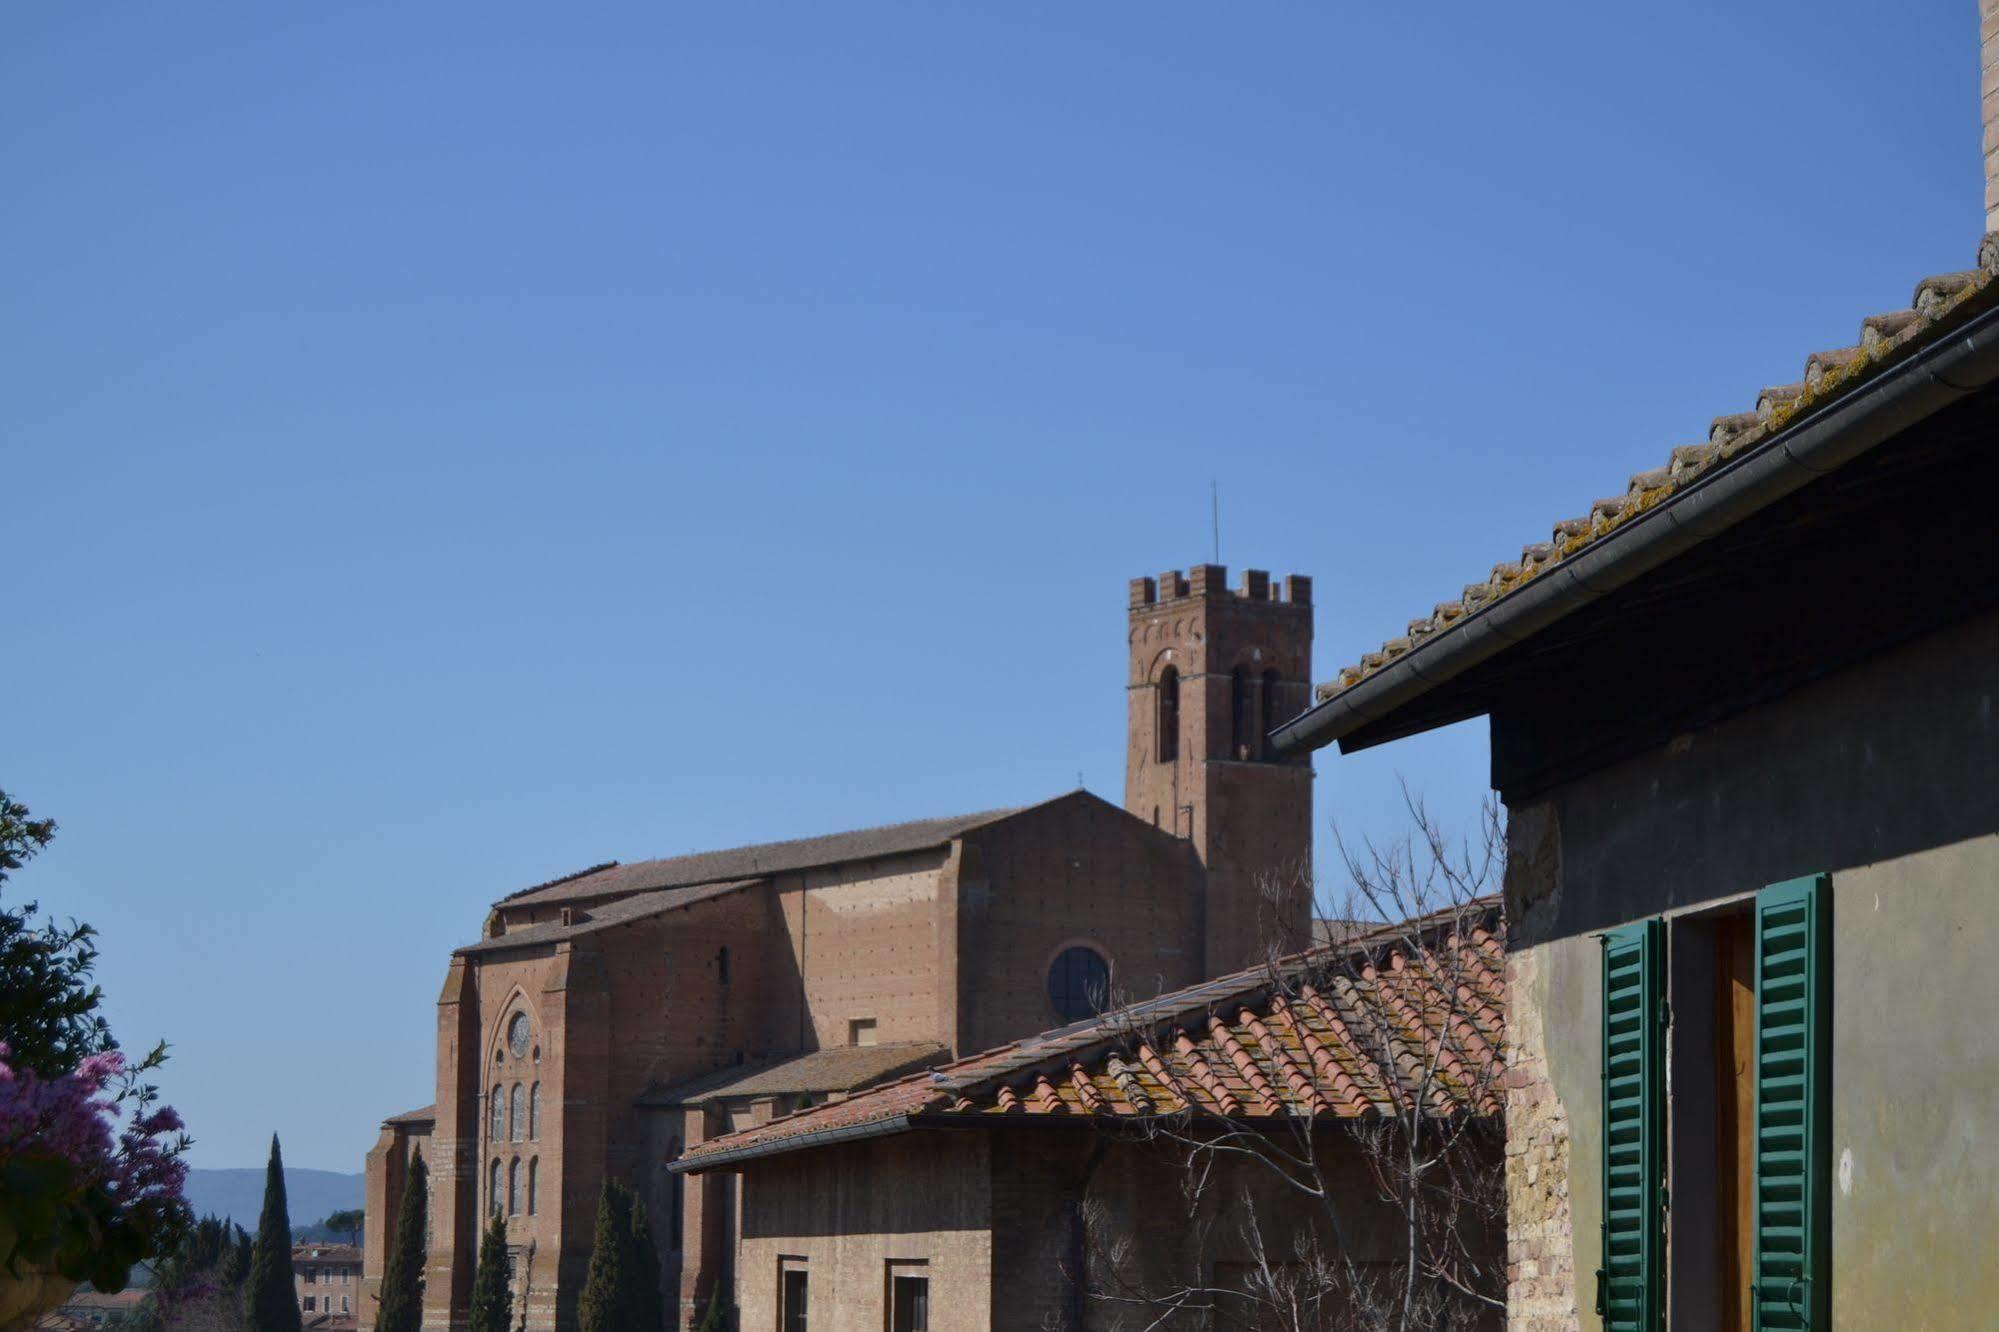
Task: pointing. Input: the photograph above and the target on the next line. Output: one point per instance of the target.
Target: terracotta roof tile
(1233, 1046)
(1939, 304)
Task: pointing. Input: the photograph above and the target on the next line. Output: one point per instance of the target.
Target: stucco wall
(1915, 1113)
(849, 1212)
(1887, 776)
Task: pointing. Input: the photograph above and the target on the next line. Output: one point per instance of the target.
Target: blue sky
(444, 446)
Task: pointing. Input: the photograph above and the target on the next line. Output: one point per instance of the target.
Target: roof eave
(874, 1128)
(1846, 428)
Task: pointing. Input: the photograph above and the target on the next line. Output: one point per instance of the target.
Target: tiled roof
(421, 1115)
(325, 1253)
(1235, 1046)
(750, 862)
(840, 1069)
(602, 916)
(1940, 304)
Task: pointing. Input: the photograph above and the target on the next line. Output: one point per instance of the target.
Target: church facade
(607, 1022)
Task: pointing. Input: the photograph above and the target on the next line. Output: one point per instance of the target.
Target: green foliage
(717, 1317)
(48, 1005)
(621, 1292)
(346, 1223)
(604, 1287)
(648, 1307)
(402, 1280)
(270, 1303)
(492, 1292)
(211, 1258)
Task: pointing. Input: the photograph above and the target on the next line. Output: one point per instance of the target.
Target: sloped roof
(759, 861)
(1940, 304)
(1235, 1046)
(840, 1069)
(426, 1114)
(602, 916)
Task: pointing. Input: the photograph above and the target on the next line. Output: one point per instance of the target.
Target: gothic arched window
(1168, 720)
(534, 1170)
(493, 1186)
(514, 1186)
(517, 1124)
(1271, 716)
(1240, 723)
(534, 1114)
(496, 1131)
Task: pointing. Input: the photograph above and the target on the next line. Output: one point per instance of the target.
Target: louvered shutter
(1629, 1289)
(1790, 1284)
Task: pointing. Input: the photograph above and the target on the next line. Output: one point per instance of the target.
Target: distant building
(609, 1020)
(90, 1308)
(327, 1278)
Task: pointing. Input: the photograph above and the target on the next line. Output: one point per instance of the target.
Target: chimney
(1988, 102)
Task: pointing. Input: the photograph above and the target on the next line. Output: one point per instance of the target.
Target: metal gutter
(1852, 424)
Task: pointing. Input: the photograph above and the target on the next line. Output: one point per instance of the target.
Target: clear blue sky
(442, 446)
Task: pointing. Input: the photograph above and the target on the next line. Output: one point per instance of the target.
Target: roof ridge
(958, 824)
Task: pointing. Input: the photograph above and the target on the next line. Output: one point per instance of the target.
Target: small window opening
(1240, 722)
(722, 963)
(861, 1031)
(1168, 720)
(909, 1302)
(791, 1316)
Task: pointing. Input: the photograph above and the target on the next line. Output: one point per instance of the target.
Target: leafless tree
(1335, 1138)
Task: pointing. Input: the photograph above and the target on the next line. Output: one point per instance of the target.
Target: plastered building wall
(1884, 776)
(853, 1215)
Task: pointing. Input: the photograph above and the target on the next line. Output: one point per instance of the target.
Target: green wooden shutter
(1791, 1284)
(1629, 1286)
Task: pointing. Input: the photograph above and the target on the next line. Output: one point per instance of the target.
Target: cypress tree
(492, 1293)
(606, 1290)
(648, 1307)
(401, 1307)
(269, 1304)
(715, 1318)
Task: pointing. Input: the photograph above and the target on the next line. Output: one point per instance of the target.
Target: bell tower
(1212, 671)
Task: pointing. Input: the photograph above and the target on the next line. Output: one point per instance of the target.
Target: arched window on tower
(1168, 720)
(493, 1198)
(1241, 724)
(496, 1131)
(1271, 715)
(518, 1121)
(534, 1114)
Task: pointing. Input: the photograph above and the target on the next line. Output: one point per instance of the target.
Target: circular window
(1079, 983)
(517, 1035)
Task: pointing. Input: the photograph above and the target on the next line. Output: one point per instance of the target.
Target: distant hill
(239, 1194)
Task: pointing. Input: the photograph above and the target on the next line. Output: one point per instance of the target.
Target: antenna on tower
(1215, 512)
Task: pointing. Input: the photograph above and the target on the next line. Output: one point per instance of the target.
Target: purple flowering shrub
(91, 1174)
(90, 1169)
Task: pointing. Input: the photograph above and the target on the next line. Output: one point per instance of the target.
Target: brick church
(605, 1022)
